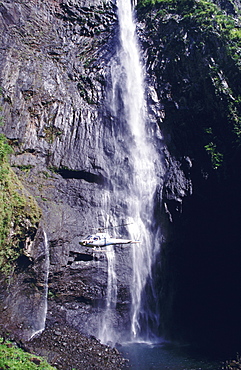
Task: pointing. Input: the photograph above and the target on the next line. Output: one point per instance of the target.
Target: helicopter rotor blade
(114, 227)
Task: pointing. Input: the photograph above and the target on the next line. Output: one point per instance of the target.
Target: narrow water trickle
(46, 278)
(106, 331)
(41, 312)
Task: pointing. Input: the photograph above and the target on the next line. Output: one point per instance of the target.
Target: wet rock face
(54, 63)
(65, 348)
(54, 71)
(54, 75)
(201, 200)
(52, 80)
(23, 293)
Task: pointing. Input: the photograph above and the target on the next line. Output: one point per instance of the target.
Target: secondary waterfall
(136, 187)
(46, 278)
(106, 332)
(41, 311)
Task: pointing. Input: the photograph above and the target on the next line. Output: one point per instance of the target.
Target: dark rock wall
(70, 149)
(54, 62)
(200, 274)
(23, 293)
(54, 75)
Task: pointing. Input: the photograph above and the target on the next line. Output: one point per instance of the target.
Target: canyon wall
(55, 73)
(193, 63)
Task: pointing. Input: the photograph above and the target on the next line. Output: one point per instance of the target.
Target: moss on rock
(12, 357)
(19, 213)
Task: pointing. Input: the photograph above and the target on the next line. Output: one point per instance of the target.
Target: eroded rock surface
(66, 349)
(54, 76)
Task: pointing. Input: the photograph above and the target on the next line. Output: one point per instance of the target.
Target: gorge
(83, 134)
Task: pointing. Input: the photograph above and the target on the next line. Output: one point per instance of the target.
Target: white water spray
(41, 313)
(107, 332)
(47, 262)
(134, 182)
(143, 157)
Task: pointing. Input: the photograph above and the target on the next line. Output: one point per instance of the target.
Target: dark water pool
(165, 356)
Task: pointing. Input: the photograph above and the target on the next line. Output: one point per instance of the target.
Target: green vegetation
(19, 213)
(25, 168)
(196, 51)
(14, 358)
(203, 15)
(51, 133)
(232, 364)
(216, 157)
(234, 114)
(86, 89)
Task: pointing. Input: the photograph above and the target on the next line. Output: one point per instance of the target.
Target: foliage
(19, 213)
(216, 157)
(5, 149)
(195, 53)
(203, 15)
(232, 364)
(25, 168)
(14, 358)
(51, 133)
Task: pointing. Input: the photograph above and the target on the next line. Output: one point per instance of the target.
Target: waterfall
(41, 310)
(106, 331)
(46, 278)
(130, 315)
(144, 177)
(106, 328)
(128, 106)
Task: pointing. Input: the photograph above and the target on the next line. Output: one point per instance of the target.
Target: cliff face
(54, 62)
(55, 80)
(194, 63)
(55, 68)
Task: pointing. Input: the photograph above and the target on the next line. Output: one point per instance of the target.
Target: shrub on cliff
(19, 213)
(194, 52)
(14, 358)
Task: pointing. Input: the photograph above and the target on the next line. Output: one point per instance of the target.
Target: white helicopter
(102, 239)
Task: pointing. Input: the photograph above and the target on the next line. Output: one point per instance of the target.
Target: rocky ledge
(67, 349)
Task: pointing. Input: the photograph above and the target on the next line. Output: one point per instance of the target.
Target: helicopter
(103, 239)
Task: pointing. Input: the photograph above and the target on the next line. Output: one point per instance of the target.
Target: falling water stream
(134, 190)
(46, 278)
(136, 173)
(41, 312)
(137, 190)
(106, 333)
(141, 195)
